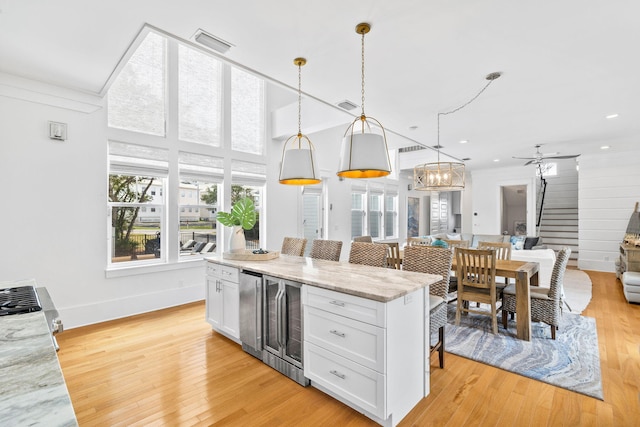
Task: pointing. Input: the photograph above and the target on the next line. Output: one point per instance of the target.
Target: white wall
(486, 198)
(54, 214)
(608, 188)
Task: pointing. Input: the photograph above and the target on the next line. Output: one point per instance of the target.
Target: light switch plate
(58, 131)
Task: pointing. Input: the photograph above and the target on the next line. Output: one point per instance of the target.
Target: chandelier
(445, 176)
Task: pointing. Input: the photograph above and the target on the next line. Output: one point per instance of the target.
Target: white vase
(237, 242)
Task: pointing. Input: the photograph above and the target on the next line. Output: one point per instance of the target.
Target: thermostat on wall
(58, 131)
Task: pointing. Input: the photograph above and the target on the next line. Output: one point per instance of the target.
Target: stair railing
(542, 190)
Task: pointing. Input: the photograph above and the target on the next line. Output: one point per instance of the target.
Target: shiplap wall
(608, 189)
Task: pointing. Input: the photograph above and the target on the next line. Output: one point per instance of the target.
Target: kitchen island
(365, 329)
(32, 388)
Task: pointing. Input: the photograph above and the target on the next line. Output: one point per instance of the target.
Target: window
(199, 97)
(136, 100)
(390, 215)
(141, 105)
(247, 112)
(375, 215)
(357, 213)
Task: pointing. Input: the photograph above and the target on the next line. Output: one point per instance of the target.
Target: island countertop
(375, 283)
(32, 387)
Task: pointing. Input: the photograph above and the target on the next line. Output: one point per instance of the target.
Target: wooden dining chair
(293, 246)
(546, 303)
(476, 271)
(393, 254)
(365, 239)
(433, 260)
(503, 251)
(326, 249)
(421, 241)
(453, 244)
(372, 254)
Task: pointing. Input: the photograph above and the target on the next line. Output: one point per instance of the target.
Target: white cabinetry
(362, 352)
(222, 298)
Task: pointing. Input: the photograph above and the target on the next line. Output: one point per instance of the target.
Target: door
(292, 302)
(312, 216)
(271, 313)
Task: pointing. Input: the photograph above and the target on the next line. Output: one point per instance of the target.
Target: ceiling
(566, 65)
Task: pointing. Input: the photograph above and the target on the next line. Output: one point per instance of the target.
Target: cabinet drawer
(361, 386)
(358, 341)
(223, 272)
(357, 308)
(231, 274)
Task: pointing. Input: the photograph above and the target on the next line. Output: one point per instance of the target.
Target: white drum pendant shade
(299, 167)
(364, 155)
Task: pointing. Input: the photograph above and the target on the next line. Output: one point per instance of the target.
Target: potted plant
(242, 217)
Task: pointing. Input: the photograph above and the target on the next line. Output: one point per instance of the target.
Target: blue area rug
(572, 361)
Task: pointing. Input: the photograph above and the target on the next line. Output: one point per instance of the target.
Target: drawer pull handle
(338, 303)
(334, 332)
(338, 374)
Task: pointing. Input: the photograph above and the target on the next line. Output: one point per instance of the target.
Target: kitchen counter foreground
(375, 283)
(32, 387)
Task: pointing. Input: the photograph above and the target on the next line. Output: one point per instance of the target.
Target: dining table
(525, 274)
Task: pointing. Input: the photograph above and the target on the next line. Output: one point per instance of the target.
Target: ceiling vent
(212, 42)
(347, 105)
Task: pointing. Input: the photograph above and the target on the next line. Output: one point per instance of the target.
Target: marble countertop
(375, 283)
(32, 387)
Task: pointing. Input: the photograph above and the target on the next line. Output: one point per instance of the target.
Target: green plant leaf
(243, 213)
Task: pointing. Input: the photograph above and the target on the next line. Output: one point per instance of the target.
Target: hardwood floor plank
(167, 368)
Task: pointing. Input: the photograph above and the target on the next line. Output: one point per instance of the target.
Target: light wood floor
(167, 368)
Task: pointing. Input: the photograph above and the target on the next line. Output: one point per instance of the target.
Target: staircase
(559, 223)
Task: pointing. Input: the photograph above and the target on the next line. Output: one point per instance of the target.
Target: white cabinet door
(230, 309)
(214, 302)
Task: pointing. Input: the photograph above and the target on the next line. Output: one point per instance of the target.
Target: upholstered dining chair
(546, 303)
(432, 260)
(393, 254)
(372, 254)
(293, 246)
(326, 249)
(365, 239)
(476, 271)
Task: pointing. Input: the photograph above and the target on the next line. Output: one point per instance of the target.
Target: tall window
(248, 180)
(390, 215)
(199, 97)
(166, 187)
(247, 112)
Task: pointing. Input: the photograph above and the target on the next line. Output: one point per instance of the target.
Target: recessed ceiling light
(466, 159)
(464, 141)
(605, 147)
(438, 147)
(496, 160)
(414, 127)
(612, 116)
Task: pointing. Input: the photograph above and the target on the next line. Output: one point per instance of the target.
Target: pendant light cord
(299, 104)
(491, 77)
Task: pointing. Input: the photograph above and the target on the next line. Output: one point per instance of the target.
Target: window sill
(132, 270)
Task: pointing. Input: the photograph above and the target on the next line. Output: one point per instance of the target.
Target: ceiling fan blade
(529, 162)
(524, 158)
(563, 157)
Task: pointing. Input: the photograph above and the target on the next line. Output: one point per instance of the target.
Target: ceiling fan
(539, 158)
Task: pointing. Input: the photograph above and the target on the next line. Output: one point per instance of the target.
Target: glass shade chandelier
(444, 176)
(364, 154)
(299, 164)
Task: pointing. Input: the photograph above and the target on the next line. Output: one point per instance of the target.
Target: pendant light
(444, 176)
(364, 154)
(299, 165)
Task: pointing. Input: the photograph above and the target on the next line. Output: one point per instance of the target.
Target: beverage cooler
(282, 323)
